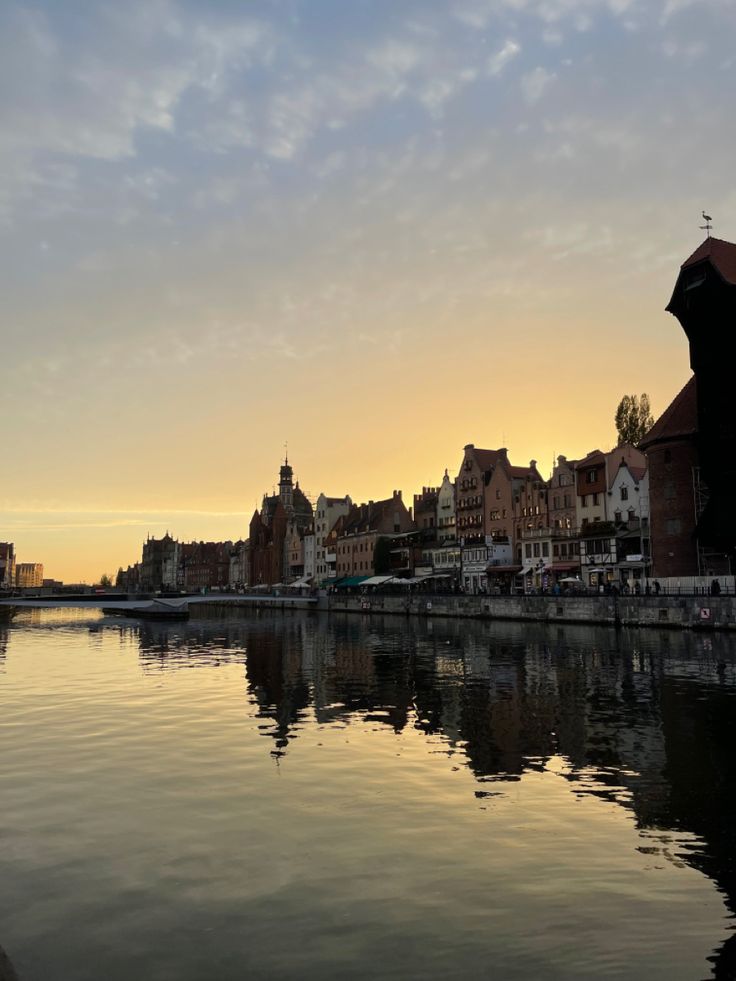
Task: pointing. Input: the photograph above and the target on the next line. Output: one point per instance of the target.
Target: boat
(153, 611)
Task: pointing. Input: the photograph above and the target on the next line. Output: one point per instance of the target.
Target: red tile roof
(721, 254)
(486, 459)
(679, 419)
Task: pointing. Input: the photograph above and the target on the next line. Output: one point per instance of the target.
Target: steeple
(286, 484)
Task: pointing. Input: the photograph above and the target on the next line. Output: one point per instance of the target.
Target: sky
(376, 230)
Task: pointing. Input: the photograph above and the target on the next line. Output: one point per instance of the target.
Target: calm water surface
(313, 798)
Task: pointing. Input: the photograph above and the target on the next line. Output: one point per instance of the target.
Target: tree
(633, 419)
(105, 580)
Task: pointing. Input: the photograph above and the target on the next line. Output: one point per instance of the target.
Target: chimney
(532, 464)
(503, 452)
(469, 446)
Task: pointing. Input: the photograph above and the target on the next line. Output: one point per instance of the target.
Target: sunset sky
(378, 230)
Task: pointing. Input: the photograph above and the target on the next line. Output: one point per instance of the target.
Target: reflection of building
(7, 565)
(29, 575)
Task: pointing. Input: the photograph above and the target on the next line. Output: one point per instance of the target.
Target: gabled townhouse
(446, 519)
(473, 522)
(326, 513)
(363, 537)
(597, 511)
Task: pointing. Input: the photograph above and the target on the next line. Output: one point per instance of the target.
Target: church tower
(286, 486)
(704, 302)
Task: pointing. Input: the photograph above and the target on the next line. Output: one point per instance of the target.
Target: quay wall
(684, 612)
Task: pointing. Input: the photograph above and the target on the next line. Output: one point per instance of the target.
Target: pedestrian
(657, 587)
(715, 588)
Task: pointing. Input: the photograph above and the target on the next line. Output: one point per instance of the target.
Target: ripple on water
(298, 797)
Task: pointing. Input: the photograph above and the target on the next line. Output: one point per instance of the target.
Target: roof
(594, 457)
(679, 419)
(721, 254)
(486, 459)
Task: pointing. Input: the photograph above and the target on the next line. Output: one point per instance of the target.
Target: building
(475, 502)
(594, 474)
(704, 302)
(673, 469)
(446, 529)
(628, 496)
(159, 569)
(425, 512)
(326, 512)
(238, 576)
(281, 516)
(364, 536)
(563, 521)
(7, 565)
(29, 575)
(204, 565)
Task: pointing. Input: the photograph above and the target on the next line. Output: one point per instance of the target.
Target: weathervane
(707, 226)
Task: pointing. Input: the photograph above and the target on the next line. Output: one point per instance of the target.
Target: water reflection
(645, 719)
(641, 720)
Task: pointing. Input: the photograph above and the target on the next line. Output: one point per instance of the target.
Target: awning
(527, 570)
(490, 569)
(304, 581)
(564, 567)
(350, 581)
(375, 580)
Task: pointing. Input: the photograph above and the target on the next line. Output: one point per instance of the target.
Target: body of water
(341, 797)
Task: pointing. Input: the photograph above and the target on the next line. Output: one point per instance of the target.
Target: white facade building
(446, 530)
(326, 513)
(309, 555)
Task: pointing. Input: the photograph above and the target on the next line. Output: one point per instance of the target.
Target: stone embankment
(688, 612)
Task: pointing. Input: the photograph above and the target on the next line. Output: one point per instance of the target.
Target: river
(306, 796)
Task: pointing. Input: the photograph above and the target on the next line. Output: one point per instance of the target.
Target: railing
(528, 533)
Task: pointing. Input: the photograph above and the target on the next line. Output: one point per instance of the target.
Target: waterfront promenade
(697, 612)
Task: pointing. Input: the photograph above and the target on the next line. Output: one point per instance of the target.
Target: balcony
(554, 533)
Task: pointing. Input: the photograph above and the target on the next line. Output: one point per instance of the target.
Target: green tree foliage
(633, 419)
(105, 580)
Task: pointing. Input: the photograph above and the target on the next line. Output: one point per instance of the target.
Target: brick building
(362, 538)
(281, 516)
(672, 459)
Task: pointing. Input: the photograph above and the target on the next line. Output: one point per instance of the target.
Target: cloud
(498, 61)
(534, 84)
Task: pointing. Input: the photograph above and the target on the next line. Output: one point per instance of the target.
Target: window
(536, 550)
(528, 550)
(498, 493)
(545, 550)
(585, 500)
(672, 526)
(624, 493)
(595, 500)
(592, 476)
(555, 551)
(617, 516)
(668, 456)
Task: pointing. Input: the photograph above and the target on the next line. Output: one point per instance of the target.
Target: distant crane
(707, 226)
